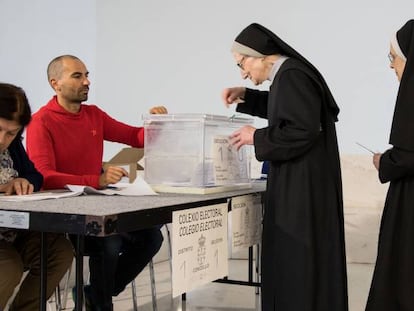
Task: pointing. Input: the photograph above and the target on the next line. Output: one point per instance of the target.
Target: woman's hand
(17, 186)
(243, 136)
(233, 95)
(376, 160)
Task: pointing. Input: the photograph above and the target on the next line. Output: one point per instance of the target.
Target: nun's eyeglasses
(240, 63)
(391, 57)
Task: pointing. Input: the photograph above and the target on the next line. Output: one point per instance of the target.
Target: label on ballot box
(246, 221)
(229, 163)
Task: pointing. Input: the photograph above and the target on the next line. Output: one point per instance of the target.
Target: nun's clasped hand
(243, 136)
(376, 160)
(233, 95)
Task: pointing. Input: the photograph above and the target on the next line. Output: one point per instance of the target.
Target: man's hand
(111, 175)
(158, 110)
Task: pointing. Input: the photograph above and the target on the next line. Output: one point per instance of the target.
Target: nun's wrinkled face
(396, 63)
(253, 68)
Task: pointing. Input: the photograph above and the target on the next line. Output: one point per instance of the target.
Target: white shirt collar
(276, 67)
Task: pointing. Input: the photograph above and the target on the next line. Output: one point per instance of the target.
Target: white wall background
(176, 53)
(32, 33)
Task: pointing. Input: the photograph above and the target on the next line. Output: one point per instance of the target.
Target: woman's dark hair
(14, 105)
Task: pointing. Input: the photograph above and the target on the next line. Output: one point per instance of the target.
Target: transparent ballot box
(193, 151)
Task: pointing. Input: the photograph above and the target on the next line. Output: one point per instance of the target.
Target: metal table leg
(43, 270)
(79, 272)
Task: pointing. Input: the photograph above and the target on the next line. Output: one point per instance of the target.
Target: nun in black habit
(303, 250)
(392, 287)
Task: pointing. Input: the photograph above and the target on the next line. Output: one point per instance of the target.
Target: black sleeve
(255, 103)
(298, 123)
(23, 165)
(396, 163)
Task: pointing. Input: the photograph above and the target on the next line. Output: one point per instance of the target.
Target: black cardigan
(23, 165)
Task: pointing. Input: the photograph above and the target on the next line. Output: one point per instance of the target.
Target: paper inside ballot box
(128, 159)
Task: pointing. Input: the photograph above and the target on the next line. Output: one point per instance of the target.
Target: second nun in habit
(392, 287)
(303, 254)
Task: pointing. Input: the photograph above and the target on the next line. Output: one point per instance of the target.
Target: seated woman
(20, 249)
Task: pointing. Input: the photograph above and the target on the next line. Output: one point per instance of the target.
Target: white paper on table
(137, 188)
(36, 196)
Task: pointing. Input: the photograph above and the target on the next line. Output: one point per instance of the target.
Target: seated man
(20, 249)
(65, 142)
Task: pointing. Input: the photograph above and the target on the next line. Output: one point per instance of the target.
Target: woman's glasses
(240, 63)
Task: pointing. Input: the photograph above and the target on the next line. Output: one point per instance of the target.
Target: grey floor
(221, 297)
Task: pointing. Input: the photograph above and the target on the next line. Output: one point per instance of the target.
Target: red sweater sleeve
(122, 133)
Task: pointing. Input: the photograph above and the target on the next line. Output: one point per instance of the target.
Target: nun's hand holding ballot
(233, 95)
(376, 160)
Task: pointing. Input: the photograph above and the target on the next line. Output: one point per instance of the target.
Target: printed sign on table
(17, 220)
(199, 247)
(246, 220)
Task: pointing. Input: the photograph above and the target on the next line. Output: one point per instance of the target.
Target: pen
(365, 147)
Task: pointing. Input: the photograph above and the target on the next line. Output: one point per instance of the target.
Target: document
(41, 195)
(137, 188)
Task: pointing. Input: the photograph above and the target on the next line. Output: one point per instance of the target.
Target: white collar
(276, 67)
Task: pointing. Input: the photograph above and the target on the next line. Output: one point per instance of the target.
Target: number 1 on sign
(182, 268)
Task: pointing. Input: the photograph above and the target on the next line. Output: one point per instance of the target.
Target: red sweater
(67, 148)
